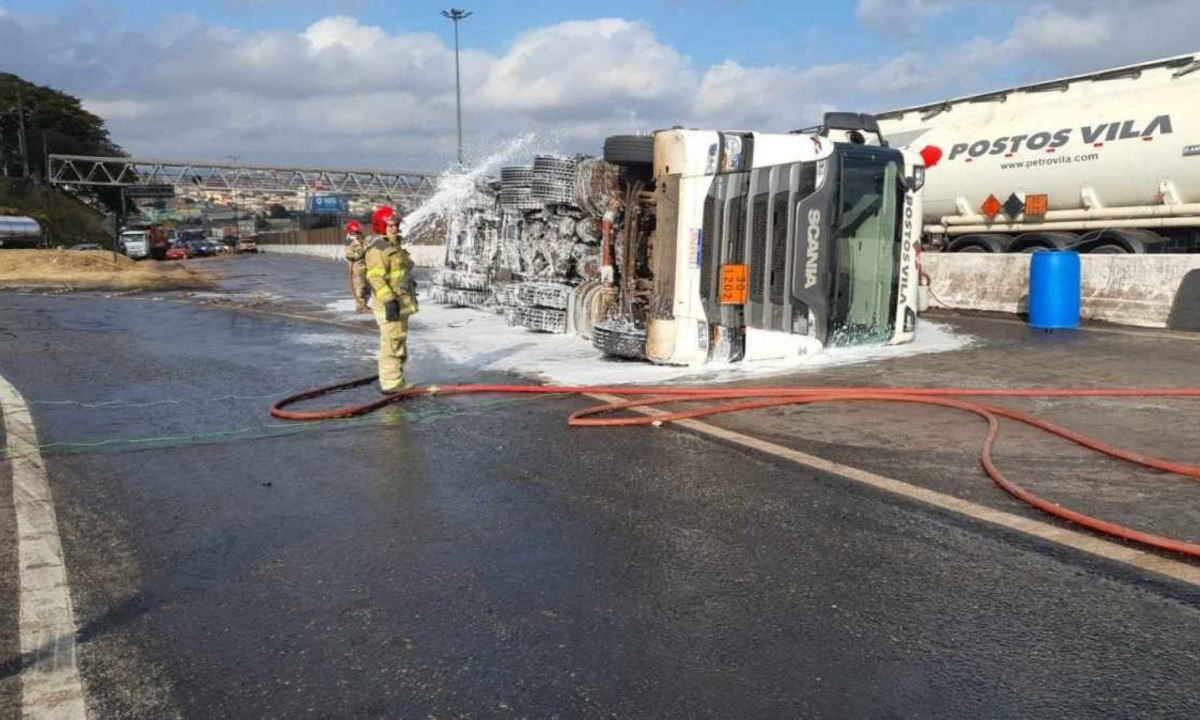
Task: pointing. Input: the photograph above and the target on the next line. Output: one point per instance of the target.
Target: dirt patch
(93, 270)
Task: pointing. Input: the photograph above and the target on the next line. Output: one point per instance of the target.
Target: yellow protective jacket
(389, 270)
(356, 248)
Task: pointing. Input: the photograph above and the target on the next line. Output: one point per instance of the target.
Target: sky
(370, 83)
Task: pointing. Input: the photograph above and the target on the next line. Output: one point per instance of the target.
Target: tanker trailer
(1107, 162)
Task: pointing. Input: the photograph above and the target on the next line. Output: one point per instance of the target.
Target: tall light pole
(455, 15)
(237, 220)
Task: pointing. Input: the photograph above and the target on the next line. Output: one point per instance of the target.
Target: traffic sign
(150, 191)
(328, 205)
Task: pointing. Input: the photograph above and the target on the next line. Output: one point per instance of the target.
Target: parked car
(189, 239)
(87, 246)
(246, 245)
(200, 248)
(179, 252)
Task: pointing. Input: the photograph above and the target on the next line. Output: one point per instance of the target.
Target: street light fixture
(455, 15)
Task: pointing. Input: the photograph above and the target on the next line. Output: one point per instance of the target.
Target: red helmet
(380, 217)
(353, 227)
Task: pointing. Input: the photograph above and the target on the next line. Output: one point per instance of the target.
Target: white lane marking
(1132, 331)
(1083, 542)
(50, 684)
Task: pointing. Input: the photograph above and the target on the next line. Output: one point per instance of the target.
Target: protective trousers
(393, 348)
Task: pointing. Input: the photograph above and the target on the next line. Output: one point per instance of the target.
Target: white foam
(458, 189)
(482, 340)
(334, 339)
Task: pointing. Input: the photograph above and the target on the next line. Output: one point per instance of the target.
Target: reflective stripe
(376, 273)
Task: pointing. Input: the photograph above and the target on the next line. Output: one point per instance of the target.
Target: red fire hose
(738, 399)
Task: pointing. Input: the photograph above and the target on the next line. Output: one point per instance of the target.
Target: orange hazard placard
(734, 284)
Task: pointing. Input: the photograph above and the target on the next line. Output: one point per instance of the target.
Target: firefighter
(389, 272)
(356, 250)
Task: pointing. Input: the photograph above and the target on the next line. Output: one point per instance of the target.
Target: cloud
(903, 15)
(207, 91)
(588, 67)
(1061, 36)
(342, 92)
(777, 97)
(118, 109)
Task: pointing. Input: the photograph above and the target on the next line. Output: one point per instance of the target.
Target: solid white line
(942, 313)
(1080, 541)
(50, 684)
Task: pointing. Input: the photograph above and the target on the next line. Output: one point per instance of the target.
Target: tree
(50, 122)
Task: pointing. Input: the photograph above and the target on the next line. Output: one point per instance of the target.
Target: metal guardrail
(82, 170)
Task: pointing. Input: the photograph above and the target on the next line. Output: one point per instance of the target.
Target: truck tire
(981, 243)
(629, 149)
(620, 338)
(1112, 241)
(1031, 242)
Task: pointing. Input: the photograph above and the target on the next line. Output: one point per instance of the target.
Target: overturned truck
(704, 246)
(528, 244)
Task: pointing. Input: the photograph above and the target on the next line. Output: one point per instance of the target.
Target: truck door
(864, 271)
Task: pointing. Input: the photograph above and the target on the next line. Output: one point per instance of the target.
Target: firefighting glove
(391, 310)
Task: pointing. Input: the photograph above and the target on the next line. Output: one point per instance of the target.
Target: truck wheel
(1116, 241)
(629, 150)
(1034, 241)
(620, 338)
(981, 242)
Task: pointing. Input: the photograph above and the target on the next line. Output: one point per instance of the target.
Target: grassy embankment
(65, 219)
(92, 270)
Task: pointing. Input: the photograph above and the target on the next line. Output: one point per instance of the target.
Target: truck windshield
(862, 308)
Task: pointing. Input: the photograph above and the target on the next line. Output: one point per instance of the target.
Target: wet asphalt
(477, 557)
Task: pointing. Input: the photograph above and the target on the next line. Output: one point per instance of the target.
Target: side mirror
(916, 181)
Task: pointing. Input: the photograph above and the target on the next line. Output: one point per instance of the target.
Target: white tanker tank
(1104, 162)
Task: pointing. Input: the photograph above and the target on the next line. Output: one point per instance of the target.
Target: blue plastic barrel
(1054, 290)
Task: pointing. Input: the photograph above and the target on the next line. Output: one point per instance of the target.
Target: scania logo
(813, 256)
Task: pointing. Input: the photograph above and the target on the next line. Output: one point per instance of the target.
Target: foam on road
(483, 340)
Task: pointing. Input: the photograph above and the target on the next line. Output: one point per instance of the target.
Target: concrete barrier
(422, 255)
(1125, 289)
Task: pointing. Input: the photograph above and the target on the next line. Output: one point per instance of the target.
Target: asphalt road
(477, 557)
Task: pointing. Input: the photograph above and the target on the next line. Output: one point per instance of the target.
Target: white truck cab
(136, 244)
(777, 245)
